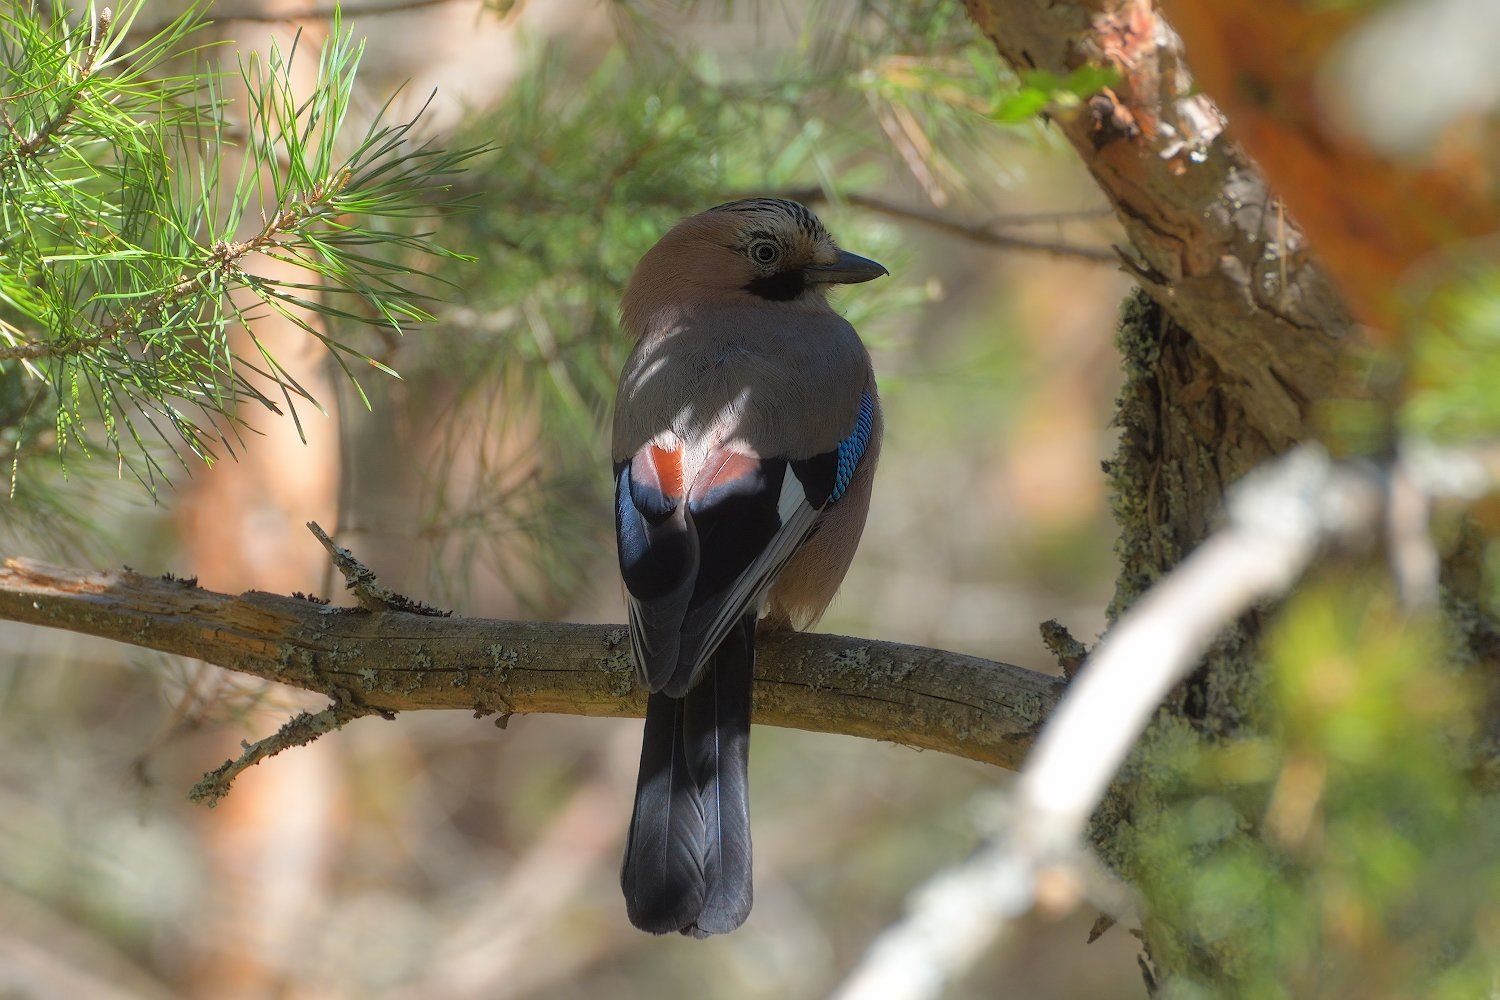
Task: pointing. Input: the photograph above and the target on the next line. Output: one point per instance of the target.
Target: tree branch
(387, 662)
(300, 731)
(986, 234)
(326, 11)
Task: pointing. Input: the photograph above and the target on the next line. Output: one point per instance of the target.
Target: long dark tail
(687, 864)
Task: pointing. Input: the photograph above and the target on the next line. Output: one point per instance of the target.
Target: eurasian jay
(746, 433)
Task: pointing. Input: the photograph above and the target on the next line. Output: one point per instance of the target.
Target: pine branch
(28, 148)
(223, 260)
(128, 259)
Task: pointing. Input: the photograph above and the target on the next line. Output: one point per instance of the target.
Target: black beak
(849, 269)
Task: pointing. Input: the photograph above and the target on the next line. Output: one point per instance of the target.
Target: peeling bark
(1376, 218)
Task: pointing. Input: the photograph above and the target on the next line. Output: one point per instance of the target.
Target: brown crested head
(766, 250)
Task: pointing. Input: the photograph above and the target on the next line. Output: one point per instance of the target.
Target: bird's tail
(687, 863)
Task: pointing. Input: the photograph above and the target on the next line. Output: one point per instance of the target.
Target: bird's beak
(848, 269)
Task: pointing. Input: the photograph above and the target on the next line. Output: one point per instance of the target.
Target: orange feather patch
(666, 465)
(724, 467)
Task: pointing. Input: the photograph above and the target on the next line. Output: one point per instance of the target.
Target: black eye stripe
(783, 286)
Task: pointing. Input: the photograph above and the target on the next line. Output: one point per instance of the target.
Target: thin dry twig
(301, 730)
(371, 594)
(324, 12)
(989, 234)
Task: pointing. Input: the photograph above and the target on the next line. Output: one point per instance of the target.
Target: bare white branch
(1278, 519)
(1278, 516)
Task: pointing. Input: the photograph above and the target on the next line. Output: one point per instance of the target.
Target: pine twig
(223, 259)
(38, 141)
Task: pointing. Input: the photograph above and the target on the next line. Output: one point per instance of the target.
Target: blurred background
(435, 855)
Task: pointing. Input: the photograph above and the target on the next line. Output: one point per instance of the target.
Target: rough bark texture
(1210, 242)
(389, 661)
(1241, 334)
(1181, 447)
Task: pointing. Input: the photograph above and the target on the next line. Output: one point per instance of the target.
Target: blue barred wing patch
(852, 448)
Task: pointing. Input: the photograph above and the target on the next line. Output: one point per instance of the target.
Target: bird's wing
(698, 556)
(659, 557)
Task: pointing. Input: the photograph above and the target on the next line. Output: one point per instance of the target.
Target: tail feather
(663, 872)
(687, 862)
(717, 729)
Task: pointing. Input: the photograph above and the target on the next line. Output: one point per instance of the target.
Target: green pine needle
(123, 235)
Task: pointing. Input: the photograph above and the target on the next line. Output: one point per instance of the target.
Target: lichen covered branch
(301, 730)
(394, 661)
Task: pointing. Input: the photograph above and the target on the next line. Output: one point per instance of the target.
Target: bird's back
(726, 375)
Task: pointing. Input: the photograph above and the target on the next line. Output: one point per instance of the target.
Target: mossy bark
(1183, 442)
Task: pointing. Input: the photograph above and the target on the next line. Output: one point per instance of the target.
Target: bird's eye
(764, 252)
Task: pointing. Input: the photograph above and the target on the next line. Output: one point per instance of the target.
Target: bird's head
(769, 249)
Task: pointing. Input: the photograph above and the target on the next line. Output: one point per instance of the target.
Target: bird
(746, 432)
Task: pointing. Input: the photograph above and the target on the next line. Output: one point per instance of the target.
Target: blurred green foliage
(1454, 376)
(1041, 92)
(1346, 852)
